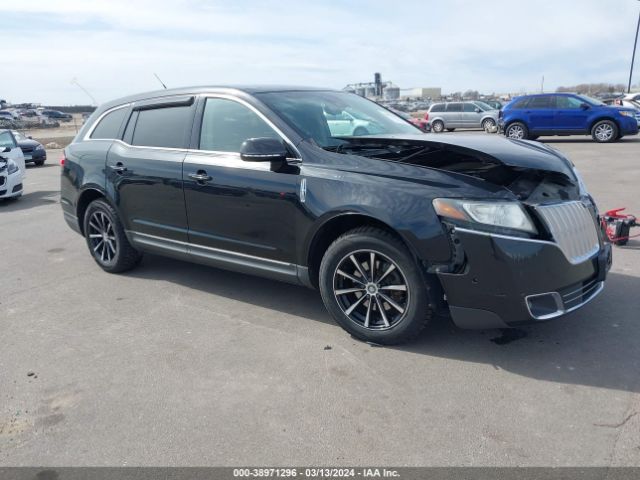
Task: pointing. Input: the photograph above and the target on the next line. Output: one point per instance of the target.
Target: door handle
(200, 176)
(118, 167)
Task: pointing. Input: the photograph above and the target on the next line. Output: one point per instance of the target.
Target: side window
(568, 102)
(522, 103)
(109, 126)
(162, 127)
(227, 123)
(470, 107)
(6, 140)
(438, 107)
(541, 101)
(454, 107)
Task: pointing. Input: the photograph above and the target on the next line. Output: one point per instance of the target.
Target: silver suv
(454, 115)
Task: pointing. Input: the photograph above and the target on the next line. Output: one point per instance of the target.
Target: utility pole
(542, 85)
(633, 56)
(74, 81)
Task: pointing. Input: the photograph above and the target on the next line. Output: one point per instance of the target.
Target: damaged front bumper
(510, 281)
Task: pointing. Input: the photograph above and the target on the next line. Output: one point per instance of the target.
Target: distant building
(434, 93)
(376, 90)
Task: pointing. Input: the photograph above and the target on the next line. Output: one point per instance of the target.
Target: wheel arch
(600, 119)
(88, 195)
(333, 227)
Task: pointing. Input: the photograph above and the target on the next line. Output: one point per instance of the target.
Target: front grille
(579, 293)
(573, 228)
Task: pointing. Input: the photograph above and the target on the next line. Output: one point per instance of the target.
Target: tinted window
(521, 103)
(226, 124)
(438, 107)
(6, 140)
(109, 126)
(541, 102)
(162, 127)
(454, 107)
(568, 102)
(470, 107)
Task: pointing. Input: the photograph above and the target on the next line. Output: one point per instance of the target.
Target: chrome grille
(573, 228)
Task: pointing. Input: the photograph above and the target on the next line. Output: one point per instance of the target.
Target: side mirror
(585, 106)
(263, 149)
(5, 150)
(477, 110)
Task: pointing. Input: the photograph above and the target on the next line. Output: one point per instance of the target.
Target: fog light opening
(544, 306)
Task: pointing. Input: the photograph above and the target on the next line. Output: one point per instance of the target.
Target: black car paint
(261, 218)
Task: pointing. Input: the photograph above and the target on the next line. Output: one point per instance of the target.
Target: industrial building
(379, 90)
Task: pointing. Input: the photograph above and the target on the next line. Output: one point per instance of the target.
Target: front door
(239, 212)
(570, 115)
(471, 116)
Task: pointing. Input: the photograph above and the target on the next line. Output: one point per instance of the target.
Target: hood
(513, 153)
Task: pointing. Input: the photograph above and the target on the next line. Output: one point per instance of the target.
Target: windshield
(19, 136)
(327, 117)
(590, 101)
(484, 106)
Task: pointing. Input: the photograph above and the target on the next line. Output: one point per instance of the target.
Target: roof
(248, 89)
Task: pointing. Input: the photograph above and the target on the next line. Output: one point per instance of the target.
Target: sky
(113, 47)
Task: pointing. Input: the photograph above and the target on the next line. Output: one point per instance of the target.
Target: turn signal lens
(62, 159)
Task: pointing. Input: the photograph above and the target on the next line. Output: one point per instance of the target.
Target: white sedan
(12, 169)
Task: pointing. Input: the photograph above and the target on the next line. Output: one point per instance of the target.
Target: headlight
(498, 214)
(12, 167)
(39, 147)
(626, 113)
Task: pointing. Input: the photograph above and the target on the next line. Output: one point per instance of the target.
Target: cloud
(113, 48)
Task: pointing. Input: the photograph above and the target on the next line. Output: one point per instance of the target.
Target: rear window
(438, 107)
(109, 126)
(454, 107)
(162, 127)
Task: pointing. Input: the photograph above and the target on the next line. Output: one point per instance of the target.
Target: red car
(421, 123)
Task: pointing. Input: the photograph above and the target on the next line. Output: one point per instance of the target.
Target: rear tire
(517, 131)
(437, 126)
(604, 131)
(387, 304)
(106, 239)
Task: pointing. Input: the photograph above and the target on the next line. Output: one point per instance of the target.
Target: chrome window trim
(87, 135)
(297, 159)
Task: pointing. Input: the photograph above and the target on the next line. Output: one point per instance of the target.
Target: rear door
(144, 171)
(238, 211)
(569, 114)
(540, 112)
(453, 115)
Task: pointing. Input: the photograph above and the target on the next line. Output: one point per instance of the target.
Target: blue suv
(530, 116)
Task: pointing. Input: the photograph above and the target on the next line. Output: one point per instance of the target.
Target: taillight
(426, 116)
(62, 159)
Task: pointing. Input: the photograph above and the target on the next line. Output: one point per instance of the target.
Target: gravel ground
(179, 364)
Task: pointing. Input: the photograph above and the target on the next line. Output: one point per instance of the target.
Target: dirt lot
(179, 364)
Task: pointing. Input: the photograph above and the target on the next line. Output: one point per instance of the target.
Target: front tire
(106, 239)
(517, 131)
(373, 287)
(604, 131)
(488, 125)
